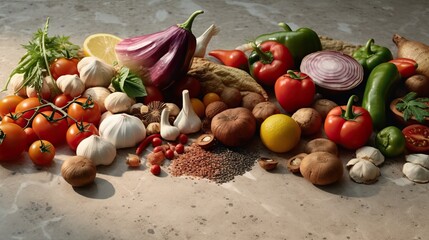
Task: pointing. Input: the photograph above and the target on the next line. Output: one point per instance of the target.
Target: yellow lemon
(280, 133)
(102, 46)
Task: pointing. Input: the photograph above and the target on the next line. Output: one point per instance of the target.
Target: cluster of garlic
(365, 167)
(417, 167)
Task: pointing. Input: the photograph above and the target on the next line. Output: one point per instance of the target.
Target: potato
(418, 84)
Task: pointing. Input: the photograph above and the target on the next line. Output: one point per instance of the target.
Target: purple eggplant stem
(160, 58)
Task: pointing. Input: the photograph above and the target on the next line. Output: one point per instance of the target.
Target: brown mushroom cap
(321, 168)
(321, 145)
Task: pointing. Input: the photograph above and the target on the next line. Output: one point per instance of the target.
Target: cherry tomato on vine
(30, 136)
(42, 153)
(15, 118)
(63, 66)
(51, 127)
(62, 100)
(8, 104)
(25, 105)
(84, 110)
(417, 138)
(79, 131)
(11, 138)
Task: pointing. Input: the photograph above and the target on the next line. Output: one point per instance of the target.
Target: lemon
(280, 133)
(102, 46)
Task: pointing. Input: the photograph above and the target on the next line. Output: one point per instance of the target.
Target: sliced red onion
(333, 70)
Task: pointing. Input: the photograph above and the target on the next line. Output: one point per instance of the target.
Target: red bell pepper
(269, 61)
(294, 90)
(232, 58)
(349, 126)
(406, 67)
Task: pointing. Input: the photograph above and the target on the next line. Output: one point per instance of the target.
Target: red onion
(333, 70)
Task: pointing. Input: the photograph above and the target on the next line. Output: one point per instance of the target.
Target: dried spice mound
(220, 164)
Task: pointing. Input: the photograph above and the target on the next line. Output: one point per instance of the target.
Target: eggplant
(162, 57)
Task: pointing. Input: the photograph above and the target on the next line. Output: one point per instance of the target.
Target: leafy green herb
(41, 51)
(411, 106)
(129, 83)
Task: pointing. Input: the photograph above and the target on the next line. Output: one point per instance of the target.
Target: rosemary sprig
(411, 106)
(41, 51)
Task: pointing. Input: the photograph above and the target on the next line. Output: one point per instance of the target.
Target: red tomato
(8, 104)
(156, 142)
(62, 100)
(294, 91)
(31, 136)
(153, 94)
(63, 66)
(417, 138)
(169, 154)
(85, 110)
(50, 127)
(407, 67)
(155, 169)
(192, 84)
(79, 131)
(29, 103)
(180, 148)
(12, 138)
(15, 118)
(183, 138)
(42, 153)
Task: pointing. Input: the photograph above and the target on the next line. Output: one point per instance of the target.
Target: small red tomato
(158, 149)
(156, 142)
(31, 137)
(63, 66)
(155, 169)
(41, 152)
(180, 148)
(183, 138)
(78, 132)
(169, 154)
(8, 104)
(407, 67)
(62, 100)
(15, 118)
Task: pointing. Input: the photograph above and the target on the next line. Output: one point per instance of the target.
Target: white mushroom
(371, 154)
(363, 171)
(416, 172)
(418, 158)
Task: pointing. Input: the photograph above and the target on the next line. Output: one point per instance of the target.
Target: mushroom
(371, 154)
(363, 171)
(321, 145)
(321, 168)
(416, 172)
(294, 162)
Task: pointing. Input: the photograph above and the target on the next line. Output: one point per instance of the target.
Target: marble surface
(36, 203)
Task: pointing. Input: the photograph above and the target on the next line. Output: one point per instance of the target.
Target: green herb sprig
(410, 105)
(41, 51)
(129, 83)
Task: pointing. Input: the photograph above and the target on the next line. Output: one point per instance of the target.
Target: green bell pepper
(300, 42)
(370, 55)
(390, 141)
(378, 90)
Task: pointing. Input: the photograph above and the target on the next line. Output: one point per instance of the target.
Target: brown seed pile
(220, 164)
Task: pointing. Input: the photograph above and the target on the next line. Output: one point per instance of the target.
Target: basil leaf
(133, 86)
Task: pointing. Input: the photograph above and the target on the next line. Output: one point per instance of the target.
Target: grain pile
(220, 164)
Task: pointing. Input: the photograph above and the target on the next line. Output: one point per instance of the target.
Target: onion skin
(333, 70)
(160, 57)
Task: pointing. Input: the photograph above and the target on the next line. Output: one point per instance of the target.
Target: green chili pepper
(370, 55)
(300, 42)
(378, 90)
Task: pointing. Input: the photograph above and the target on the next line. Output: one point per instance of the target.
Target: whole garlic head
(98, 150)
(371, 154)
(363, 171)
(16, 85)
(95, 73)
(118, 102)
(71, 85)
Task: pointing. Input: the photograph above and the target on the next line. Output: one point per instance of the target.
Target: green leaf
(129, 83)
(407, 114)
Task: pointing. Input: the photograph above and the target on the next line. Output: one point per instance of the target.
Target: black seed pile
(220, 164)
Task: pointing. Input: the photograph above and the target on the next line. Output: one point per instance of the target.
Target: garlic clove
(418, 158)
(204, 39)
(371, 154)
(118, 102)
(167, 131)
(95, 73)
(71, 85)
(363, 171)
(153, 128)
(187, 121)
(173, 109)
(416, 172)
(16, 85)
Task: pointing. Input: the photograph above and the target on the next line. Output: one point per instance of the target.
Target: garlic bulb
(363, 171)
(16, 85)
(94, 72)
(105, 115)
(122, 130)
(187, 120)
(153, 128)
(98, 95)
(204, 39)
(118, 102)
(418, 158)
(45, 91)
(167, 131)
(173, 109)
(371, 154)
(71, 85)
(416, 172)
(98, 150)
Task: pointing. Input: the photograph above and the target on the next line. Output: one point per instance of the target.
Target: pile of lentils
(220, 164)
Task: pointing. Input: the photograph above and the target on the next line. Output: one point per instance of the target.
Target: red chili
(142, 146)
(232, 58)
(407, 67)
